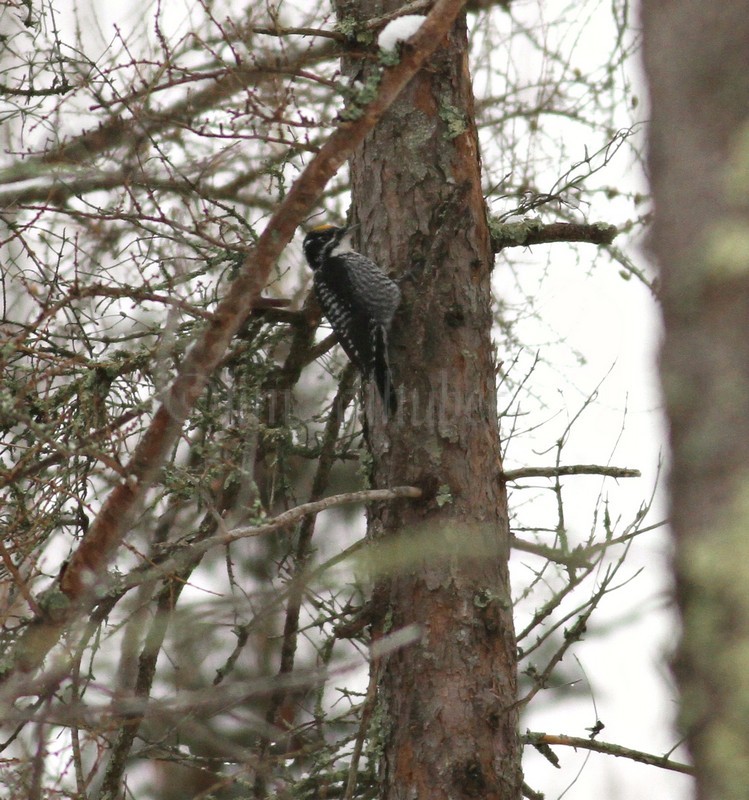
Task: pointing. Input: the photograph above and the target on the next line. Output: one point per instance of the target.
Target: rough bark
(447, 720)
(697, 64)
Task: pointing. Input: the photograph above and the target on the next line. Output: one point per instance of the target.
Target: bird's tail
(381, 372)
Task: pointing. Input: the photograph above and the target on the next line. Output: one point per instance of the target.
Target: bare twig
(575, 559)
(295, 514)
(193, 550)
(361, 735)
(62, 88)
(577, 469)
(537, 738)
(18, 579)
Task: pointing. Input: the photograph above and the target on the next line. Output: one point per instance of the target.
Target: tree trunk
(697, 64)
(447, 714)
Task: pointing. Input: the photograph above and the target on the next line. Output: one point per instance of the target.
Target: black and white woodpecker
(359, 301)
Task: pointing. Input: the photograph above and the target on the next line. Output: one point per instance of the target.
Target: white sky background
(581, 308)
(587, 309)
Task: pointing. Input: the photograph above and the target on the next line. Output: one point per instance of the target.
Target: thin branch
(281, 32)
(577, 469)
(295, 514)
(531, 794)
(186, 552)
(531, 232)
(18, 580)
(572, 634)
(535, 738)
(361, 735)
(576, 559)
(9, 91)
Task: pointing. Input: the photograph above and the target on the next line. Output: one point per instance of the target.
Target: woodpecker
(359, 301)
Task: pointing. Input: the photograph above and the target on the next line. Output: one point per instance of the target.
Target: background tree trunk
(447, 702)
(697, 64)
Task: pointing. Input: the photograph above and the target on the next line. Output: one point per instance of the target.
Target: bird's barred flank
(359, 301)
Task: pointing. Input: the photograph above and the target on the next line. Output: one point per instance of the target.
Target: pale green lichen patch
(737, 169)
(705, 556)
(454, 119)
(513, 232)
(727, 241)
(444, 495)
(389, 58)
(55, 604)
(351, 28)
(716, 637)
(361, 94)
(727, 252)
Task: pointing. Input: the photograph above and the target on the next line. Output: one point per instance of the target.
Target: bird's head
(325, 240)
